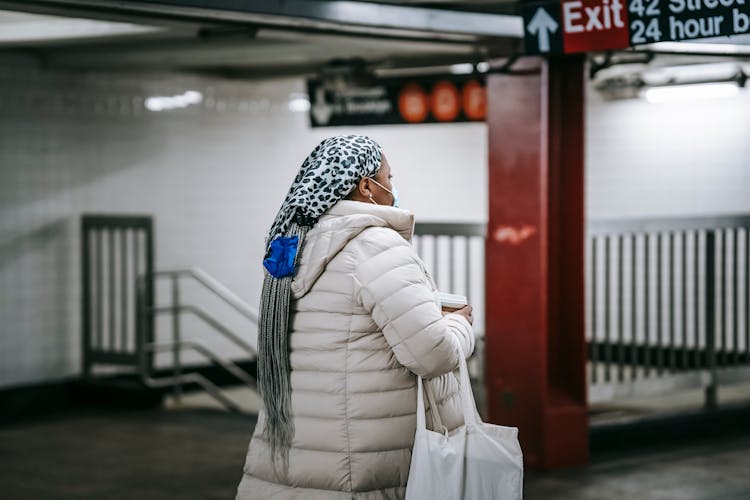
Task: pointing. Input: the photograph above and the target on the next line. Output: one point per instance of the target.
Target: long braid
(273, 360)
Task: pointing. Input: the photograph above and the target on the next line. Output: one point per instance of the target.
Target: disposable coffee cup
(451, 302)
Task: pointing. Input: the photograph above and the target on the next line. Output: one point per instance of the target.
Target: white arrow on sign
(542, 25)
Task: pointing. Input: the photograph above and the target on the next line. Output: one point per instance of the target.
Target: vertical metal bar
(620, 307)
(684, 240)
(633, 307)
(86, 298)
(670, 287)
(139, 323)
(124, 289)
(659, 326)
(721, 253)
(176, 336)
(593, 349)
(149, 286)
(467, 267)
(607, 339)
(451, 264)
(435, 259)
(111, 274)
(735, 285)
(711, 396)
(696, 300)
(647, 303)
(99, 290)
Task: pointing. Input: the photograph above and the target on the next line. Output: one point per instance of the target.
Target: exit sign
(570, 26)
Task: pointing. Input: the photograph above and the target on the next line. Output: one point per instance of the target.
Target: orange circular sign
(445, 102)
(474, 100)
(413, 104)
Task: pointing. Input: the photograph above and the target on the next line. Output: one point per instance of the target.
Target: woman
(349, 317)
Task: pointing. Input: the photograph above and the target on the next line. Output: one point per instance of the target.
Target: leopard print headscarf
(328, 175)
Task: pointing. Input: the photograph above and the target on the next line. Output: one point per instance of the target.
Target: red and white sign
(594, 25)
(572, 26)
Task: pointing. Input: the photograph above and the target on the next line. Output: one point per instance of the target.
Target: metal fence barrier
(114, 251)
(454, 256)
(667, 302)
(119, 310)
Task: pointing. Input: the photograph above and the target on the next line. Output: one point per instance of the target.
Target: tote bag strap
(421, 421)
(469, 406)
(423, 387)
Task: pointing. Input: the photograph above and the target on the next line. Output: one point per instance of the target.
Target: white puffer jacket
(365, 321)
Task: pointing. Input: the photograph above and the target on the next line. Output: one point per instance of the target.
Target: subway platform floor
(199, 453)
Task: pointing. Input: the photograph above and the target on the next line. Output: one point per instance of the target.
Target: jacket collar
(397, 219)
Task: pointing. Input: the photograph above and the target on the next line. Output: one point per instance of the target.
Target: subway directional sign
(570, 26)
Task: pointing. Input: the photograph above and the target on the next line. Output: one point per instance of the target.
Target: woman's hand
(465, 311)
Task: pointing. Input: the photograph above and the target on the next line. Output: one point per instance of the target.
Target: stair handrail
(177, 345)
(215, 286)
(179, 379)
(205, 316)
(220, 290)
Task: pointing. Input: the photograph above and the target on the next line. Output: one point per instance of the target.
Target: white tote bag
(476, 461)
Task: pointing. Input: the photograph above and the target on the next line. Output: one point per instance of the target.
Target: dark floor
(718, 469)
(127, 455)
(199, 454)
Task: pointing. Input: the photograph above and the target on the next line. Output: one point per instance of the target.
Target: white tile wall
(212, 176)
(667, 159)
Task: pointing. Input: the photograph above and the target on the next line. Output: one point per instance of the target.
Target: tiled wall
(211, 175)
(678, 159)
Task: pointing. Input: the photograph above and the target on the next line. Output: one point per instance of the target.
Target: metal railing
(115, 250)
(667, 301)
(454, 256)
(178, 345)
(668, 305)
(456, 272)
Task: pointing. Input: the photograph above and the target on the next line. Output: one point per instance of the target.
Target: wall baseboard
(114, 392)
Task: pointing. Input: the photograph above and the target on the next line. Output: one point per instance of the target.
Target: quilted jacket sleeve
(393, 288)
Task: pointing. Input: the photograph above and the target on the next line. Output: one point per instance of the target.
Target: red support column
(535, 344)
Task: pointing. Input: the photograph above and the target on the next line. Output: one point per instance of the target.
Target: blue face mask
(394, 193)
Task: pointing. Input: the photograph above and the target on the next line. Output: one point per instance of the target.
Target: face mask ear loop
(379, 184)
(382, 186)
(371, 200)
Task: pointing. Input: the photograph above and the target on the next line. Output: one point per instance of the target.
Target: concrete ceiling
(252, 47)
(247, 50)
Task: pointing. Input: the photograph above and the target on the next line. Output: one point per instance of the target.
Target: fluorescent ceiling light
(164, 103)
(483, 67)
(462, 69)
(692, 73)
(697, 92)
(299, 103)
(698, 48)
(21, 27)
